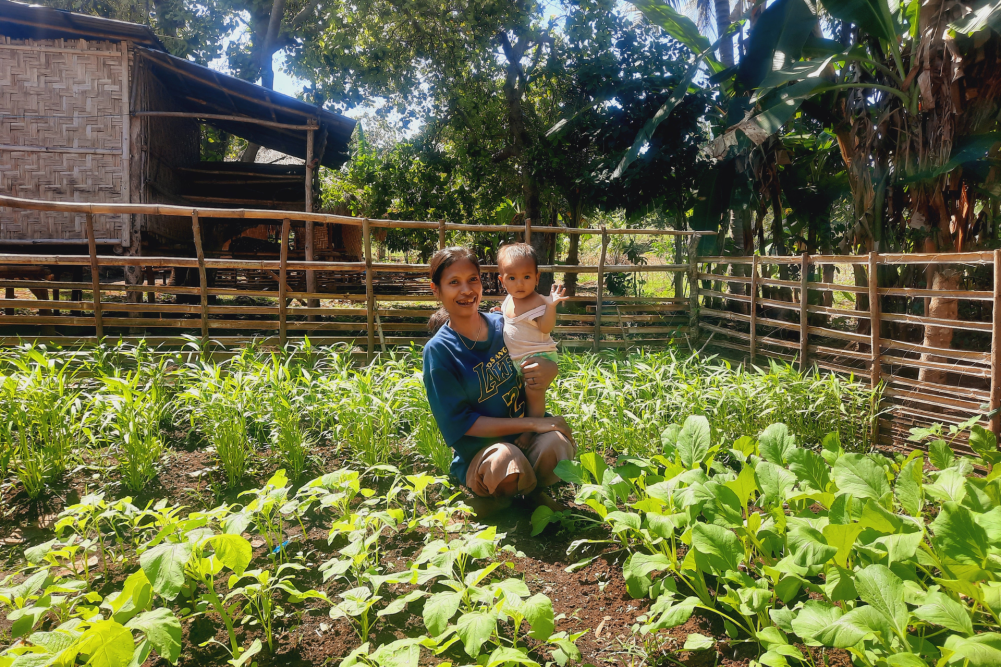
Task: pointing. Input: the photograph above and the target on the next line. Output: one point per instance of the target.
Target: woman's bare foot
(540, 497)
(484, 507)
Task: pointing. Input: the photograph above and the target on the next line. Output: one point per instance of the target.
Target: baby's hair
(516, 251)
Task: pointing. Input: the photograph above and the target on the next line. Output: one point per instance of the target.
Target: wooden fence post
(876, 370)
(528, 231)
(804, 321)
(310, 246)
(601, 278)
(693, 289)
(203, 283)
(369, 293)
(754, 307)
(996, 348)
(95, 277)
(441, 234)
(283, 285)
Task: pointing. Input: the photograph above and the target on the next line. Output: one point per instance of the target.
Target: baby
(529, 317)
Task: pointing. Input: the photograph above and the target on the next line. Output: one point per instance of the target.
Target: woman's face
(460, 290)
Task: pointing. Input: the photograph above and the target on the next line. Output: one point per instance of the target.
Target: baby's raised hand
(558, 293)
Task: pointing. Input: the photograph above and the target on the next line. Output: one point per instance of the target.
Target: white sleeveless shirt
(522, 334)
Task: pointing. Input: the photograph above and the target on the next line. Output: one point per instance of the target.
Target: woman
(478, 398)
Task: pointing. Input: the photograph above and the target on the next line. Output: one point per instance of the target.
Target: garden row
(123, 408)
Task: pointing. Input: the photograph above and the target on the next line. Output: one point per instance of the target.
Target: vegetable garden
(167, 509)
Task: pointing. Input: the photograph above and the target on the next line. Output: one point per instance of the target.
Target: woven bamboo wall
(61, 94)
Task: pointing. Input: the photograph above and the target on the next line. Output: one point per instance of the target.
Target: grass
(131, 403)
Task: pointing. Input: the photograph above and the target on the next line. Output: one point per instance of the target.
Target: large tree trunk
(722, 9)
(269, 46)
(942, 278)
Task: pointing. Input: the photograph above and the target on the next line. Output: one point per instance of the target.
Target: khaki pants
(534, 466)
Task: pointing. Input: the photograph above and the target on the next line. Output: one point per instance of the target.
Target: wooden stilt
(310, 244)
(203, 284)
(693, 289)
(441, 234)
(283, 285)
(95, 276)
(528, 231)
(369, 291)
(601, 280)
(804, 320)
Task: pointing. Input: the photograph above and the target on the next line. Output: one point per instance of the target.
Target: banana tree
(911, 92)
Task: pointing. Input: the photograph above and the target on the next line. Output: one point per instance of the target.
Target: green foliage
(788, 545)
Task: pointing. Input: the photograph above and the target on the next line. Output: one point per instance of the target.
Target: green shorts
(552, 356)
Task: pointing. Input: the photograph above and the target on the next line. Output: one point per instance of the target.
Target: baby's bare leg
(535, 401)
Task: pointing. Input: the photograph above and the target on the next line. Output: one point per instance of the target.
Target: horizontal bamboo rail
(736, 319)
(647, 320)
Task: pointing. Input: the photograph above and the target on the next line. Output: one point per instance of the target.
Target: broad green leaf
(908, 487)
(901, 547)
(164, 567)
(697, 642)
(636, 571)
(906, 660)
(842, 536)
(538, 611)
(163, 631)
(841, 510)
(851, 628)
(474, 629)
(810, 469)
(940, 609)
(776, 444)
(400, 603)
(233, 551)
(439, 610)
(958, 536)
(814, 618)
(725, 509)
(718, 545)
(677, 25)
(809, 547)
(541, 518)
(831, 448)
(877, 518)
(982, 441)
(570, 471)
(400, 653)
(884, 591)
(694, 441)
(872, 16)
(774, 481)
(949, 485)
(674, 614)
(505, 654)
(107, 644)
(594, 464)
(859, 475)
(941, 455)
(744, 486)
(984, 650)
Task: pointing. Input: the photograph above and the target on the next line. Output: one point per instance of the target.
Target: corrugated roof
(199, 89)
(22, 21)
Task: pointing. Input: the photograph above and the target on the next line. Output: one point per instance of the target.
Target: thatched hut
(96, 110)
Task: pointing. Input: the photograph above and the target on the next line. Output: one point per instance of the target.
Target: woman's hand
(547, 424)
(539, 371)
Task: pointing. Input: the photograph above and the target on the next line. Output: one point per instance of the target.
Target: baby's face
(519, 277)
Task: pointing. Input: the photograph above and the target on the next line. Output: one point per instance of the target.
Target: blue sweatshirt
(464, 384)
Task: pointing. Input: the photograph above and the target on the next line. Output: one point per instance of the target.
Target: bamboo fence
(732, 303)
(759, 316)
(619, 322)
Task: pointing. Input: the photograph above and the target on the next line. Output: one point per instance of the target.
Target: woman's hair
(517, 251)
(440, 261)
